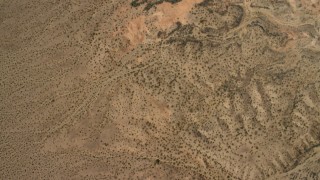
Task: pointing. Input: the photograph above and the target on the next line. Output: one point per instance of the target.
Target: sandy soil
(197, 89)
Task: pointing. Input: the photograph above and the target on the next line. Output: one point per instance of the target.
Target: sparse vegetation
(151, 3)
(209, 89)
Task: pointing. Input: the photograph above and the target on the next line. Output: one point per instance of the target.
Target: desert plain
(160, 89)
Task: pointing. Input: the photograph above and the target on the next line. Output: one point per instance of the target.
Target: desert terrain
(160, 89)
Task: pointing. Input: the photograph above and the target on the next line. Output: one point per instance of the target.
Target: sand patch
(136, 31)
(168, 14)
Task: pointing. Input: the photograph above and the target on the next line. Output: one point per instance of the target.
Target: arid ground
(160, 89)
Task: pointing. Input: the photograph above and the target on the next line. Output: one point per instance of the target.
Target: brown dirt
(102, 90)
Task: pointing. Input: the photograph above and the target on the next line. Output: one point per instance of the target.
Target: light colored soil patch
(168, 14)
(136, 31)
